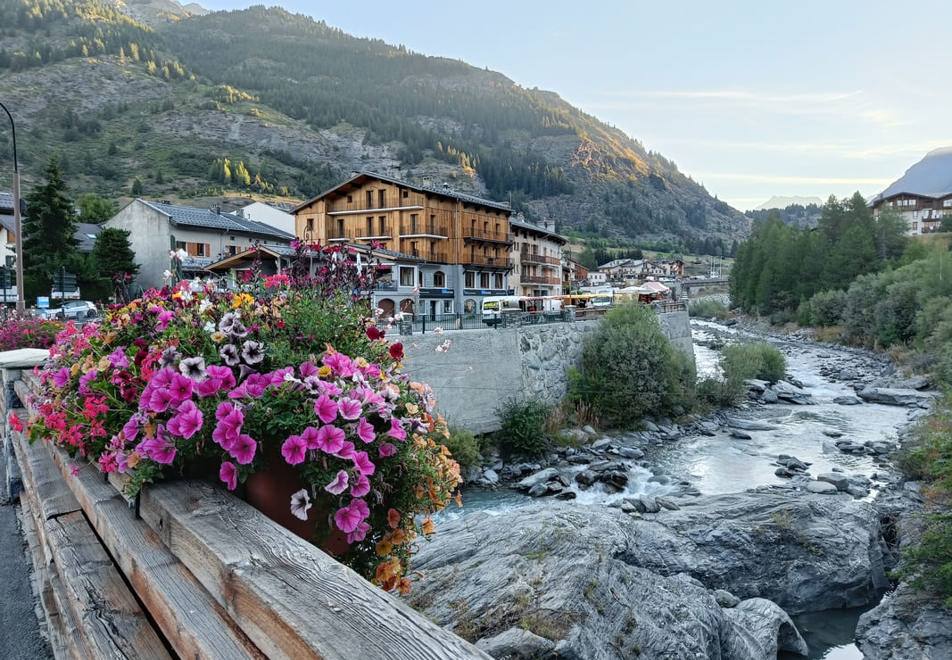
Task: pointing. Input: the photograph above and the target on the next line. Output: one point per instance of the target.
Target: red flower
(373, 333)
(15, 422)
(396, 351)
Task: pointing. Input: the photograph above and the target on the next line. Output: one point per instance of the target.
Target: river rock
(764, 620)
(905, 625)
(748, 424)
(740, 435)
(822, 487)
(726, 598)
(841, 481)
(603, 584)
(896, 396)
(489, 478)
(847, 400)
(631, 453)
(516, 644)
(539, 477)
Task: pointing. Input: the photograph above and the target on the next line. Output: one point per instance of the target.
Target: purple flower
(161, 378)
(157, 450)
(300, 503)
(346, 450)
(160, 400)
(131, 428)
(358, 534)
(167, 359)
(164, 317)
(61, 377)
(310, 435)
(86, 379)
(307, 369)
(244, 449)
(365, 430)
(193, 368)
(181, 387)
(118, 358)
(326, 409)
(338, 485)
(229, 474)
(252, 351)
(349, 408)
(294, 449)
(348, 518)
(387, 450)
(187, 421)
(223, 375)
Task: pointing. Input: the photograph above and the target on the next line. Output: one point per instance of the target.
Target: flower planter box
(217, 578)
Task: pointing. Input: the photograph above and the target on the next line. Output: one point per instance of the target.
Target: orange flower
(403, 586)
(427, 526)
(398, 537)
(384, 548)
(393, 518)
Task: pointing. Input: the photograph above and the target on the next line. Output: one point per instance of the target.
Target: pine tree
(49, 229)
(112, 254)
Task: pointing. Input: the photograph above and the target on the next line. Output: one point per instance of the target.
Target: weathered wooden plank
(56, 624)
(113, 625)
(291, 599)
(51, 495)
(194, 624)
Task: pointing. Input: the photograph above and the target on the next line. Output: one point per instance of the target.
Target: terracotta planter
(270, 492)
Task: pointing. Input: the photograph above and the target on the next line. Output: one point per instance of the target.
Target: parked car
(79, 310)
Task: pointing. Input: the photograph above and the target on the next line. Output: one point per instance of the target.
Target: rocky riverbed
(618, 548)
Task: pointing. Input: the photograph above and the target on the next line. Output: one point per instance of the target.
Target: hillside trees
(780, 266)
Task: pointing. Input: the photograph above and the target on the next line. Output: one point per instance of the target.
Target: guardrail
(189, 570)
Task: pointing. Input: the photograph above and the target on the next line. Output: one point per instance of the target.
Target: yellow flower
(361, 362)
(103, 363)
(412, 409)
(324, 371)
(217, 337)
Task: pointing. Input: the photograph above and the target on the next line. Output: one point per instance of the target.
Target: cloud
(738, 96)
(789, 180)
(842, 150)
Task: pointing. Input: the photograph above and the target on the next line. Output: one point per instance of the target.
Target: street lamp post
(17, 220)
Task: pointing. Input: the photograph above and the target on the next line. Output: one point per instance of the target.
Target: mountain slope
(300, 105)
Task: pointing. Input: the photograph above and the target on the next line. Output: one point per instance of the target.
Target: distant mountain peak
(930, 177)
(778, 202)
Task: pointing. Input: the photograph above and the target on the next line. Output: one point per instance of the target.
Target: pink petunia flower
(188, 420)
(358, 534)
(365, 430)
(294, 449)
(244, 449)
(229, 474)
(387, 450)
(61, 377)
(329, 439)
(361, 486)
(349, 517)
(396, 431)
(181, 387)
(349, 408)
(326, 409)
(338, 485)
(158, 450)
(362, 463)
(346, 450)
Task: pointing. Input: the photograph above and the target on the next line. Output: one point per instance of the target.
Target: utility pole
(17, 220)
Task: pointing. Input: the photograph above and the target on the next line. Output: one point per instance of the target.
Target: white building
(206, 236)
(923, 195)
(267, 214)
(536, 258)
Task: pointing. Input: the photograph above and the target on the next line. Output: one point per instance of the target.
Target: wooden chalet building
(457, 245)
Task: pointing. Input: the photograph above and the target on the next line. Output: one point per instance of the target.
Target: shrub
(464, 448)
(826, 308)
(741, 362)
(720, 392)
(928, 561)
(708, 308)
(522, 430)
(629, 369)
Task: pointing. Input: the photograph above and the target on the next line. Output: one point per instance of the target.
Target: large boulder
(601, 583)
(894, 396)
(905, 625)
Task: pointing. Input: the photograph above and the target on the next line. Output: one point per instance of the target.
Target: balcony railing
(424, 229)
(430, 255)
(475, 234)
(531, 258)
(358, 235)
(539, 279)
(485, 260)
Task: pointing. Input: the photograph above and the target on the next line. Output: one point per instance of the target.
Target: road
(20, 637)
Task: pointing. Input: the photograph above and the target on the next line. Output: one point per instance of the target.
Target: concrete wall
(485, 368)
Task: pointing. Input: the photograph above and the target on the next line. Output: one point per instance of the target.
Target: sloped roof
(930, 177)
(360, 177)
(538, 229)
(207, 219)
(6, 202)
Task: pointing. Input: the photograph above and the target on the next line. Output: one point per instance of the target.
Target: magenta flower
(346, 450)
(387, 450)
(164, 317)
(229, 474)
(61, 377)
(358, 534)
(294, 449)
(131, 428)
(162, 378)
(396, 431)
(118, 358)
(325, 408)
(86, 379)
(307, 369)
(300, 503)
(329, 439)
(158, 450)
(363, 463)
(224, 409)
(244, 449)
(361, 486)
(181, 387)
(160, 400)
(349, 408)
(188, 420)
(365, 430)
(348, 518)
(338, 485)
(223, 375)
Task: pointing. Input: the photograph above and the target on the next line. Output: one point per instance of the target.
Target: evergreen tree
(112, 254)
(49, 229)
(136, 187)
(95, 209)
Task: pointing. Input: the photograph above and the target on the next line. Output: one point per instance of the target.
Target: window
(498, 281)
(469, 279)
(447, 306)
(310, 227)
(383, 225)
(406, 193)
(439, 279)
(413, 222)
(406, 276)
(350, 199)
(947, 203)
(484, 280)
(413, 249)
(370, 199)
(340, 228)
(432, 223)
(382, 198)
(370, 226)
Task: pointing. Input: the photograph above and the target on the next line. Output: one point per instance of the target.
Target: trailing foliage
(630, 370)
(464, 448)
(522, 428)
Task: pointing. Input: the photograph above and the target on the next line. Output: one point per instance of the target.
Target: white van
(495, 307)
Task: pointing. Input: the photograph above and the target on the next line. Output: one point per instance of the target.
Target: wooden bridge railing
(190, 571)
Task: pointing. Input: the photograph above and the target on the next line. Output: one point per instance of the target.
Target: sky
(752, 99)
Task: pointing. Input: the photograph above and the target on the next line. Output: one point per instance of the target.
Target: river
(723, 463)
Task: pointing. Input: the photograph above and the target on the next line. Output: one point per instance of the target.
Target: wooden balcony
(527, 257)
(475, 234)
(358, 235)
(484, 260)
(430, 255)
(540, 279)
(424, 229)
